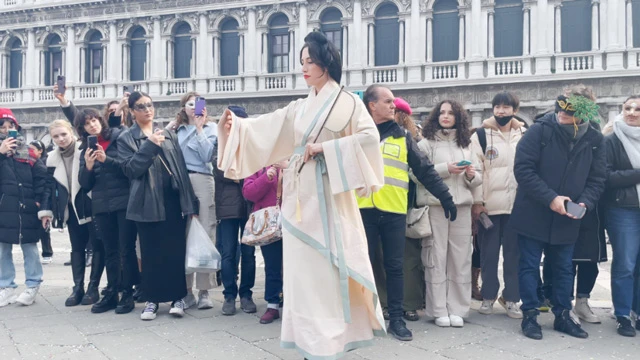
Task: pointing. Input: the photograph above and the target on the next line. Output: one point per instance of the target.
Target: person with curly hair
(446, 254)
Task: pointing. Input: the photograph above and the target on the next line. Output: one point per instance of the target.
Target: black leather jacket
(621, 189)
(142, 165)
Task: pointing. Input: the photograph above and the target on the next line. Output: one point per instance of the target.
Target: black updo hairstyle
(135, 96)
(323, 53)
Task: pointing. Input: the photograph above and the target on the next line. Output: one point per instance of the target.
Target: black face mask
(503, 120)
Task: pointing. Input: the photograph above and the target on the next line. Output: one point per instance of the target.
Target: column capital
(112, 22)
(595, 2)
(155, 18)
(491, 11)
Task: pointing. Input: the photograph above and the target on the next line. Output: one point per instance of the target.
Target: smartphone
(575, 209)
(61, 84)
(127, 89)
(485, 221)
(464, 163)
(92, 142)
(200, 104)
(13, 134)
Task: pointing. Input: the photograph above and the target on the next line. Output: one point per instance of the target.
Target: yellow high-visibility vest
(393, 197)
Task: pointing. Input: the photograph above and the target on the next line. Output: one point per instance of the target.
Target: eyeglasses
(143, 107)
(190, 105)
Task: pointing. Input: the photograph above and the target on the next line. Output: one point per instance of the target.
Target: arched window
(635, 20)
(576, 25)
(331, 26)
(279, 44)
(229, 47)
(15, 64)
(446, 31)
(507, 28)
(93, 63)
(137, 54)
(182, 48)
(387, 35)
(52, 59)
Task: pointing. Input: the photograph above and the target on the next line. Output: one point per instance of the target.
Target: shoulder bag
(265, 225)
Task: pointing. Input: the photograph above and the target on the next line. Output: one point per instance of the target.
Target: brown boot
(475, 288)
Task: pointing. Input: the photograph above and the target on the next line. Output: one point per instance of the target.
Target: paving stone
(136, 344)
(83, 352)
(36, 321)
(63, 334)
(478, 352)
(9, 352)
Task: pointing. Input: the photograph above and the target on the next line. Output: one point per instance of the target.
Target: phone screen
(464, 163)
(92, 142)
(13, 134)
(200, 104)
(61, 84)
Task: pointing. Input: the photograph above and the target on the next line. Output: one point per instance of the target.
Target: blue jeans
(32, 266)
(272, 254)
(559, 259)
(228, 232)
(623, 226)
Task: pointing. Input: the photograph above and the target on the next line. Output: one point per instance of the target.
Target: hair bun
(317, 37)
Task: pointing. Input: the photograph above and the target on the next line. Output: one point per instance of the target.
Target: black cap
(239, 111)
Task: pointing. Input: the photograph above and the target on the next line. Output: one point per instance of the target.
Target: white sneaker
(443, 321)
(584, 312)
(189, 301)
(203, 300)
(487, 307)
(46, 260)
(456, 321)
(177, 308)
(7, 296)
(28, 296)
(149, 312)
(513, 311)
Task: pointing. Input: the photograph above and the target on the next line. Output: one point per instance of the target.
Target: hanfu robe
(331, 300)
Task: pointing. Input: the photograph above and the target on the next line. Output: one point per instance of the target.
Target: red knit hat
(402, 105)
(8, 114)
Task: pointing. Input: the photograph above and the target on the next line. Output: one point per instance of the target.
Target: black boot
(89, 259)
(530, 326)
(564, 323)
(77, 270)
(93, 293)
(399, 330)
(126, 304)
(109, 302)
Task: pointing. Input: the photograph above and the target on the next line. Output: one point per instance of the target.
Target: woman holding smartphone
(197, 138)
(100, 173)
(446, 255)
(71, 205)
(161, 198)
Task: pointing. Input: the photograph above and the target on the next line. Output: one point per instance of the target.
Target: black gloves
(450, 211)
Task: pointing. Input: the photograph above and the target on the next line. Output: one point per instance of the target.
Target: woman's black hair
(135, 96)
(506, 98)
(81, 119)
(323, 53)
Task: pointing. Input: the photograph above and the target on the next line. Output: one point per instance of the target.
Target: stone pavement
(49, 330)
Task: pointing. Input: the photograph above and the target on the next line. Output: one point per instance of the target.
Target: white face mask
(190, 105)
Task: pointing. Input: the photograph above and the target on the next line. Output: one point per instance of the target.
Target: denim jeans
(389, 229)
(229, 230)
(623, 226)
(32, 266)
(272, 254)
(559, 258)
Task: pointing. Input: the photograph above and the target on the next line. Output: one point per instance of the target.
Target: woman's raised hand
(227, 119)
(89, 158)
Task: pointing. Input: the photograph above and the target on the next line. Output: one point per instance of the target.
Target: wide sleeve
(525, 167)
(254, 143)
(597, 177)
(354, 161)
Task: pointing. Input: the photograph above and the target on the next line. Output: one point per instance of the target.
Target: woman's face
(6, 126)
(631, 112)
(447, 118)
(313, 74)
(190, 107)
(503, 110)
(37, 152)
(143, 110)
(93, 126)
(61, 136)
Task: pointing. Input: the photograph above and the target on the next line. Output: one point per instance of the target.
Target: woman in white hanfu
(332, 303)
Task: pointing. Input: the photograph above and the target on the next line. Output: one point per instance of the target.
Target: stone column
(194, 55)
(595, 23)
(4, 76)
(461, 44)
(31, 66)
(491, 34)
(402, 39)
(525, 31)
(157, 58)
(302, 32)
(23, 73)
(372, 45)
(241, 60)
(265, 52)
(204, 47)
(558, 28)
(292, 50)
(147, 61)
(416, 40)
(542, 22)
(216, 54)
(476, 25)
(615, 43)
(430, 37)
(629, 21)
(105, 59)
(251, 51)
(82, 66)
(345, 46)
(355, 51)
(113, 62)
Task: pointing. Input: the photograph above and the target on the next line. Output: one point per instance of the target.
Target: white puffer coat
(498, 182)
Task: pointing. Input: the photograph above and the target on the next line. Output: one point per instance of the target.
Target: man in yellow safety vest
(384, 213)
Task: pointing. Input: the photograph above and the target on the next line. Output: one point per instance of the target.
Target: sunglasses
(143, 107)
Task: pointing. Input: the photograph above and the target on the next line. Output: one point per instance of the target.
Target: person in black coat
(40, 151)
(231, 211)
(101, 173)
(160, 202)
(22, 190)
(560, 158)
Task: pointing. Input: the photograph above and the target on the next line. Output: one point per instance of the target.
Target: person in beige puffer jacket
(446, 254)
(502, 131)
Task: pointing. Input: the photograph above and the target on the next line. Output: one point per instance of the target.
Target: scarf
(629, 136)
(22, 153)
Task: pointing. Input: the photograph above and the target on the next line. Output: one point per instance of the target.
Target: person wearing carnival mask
(560, 159)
